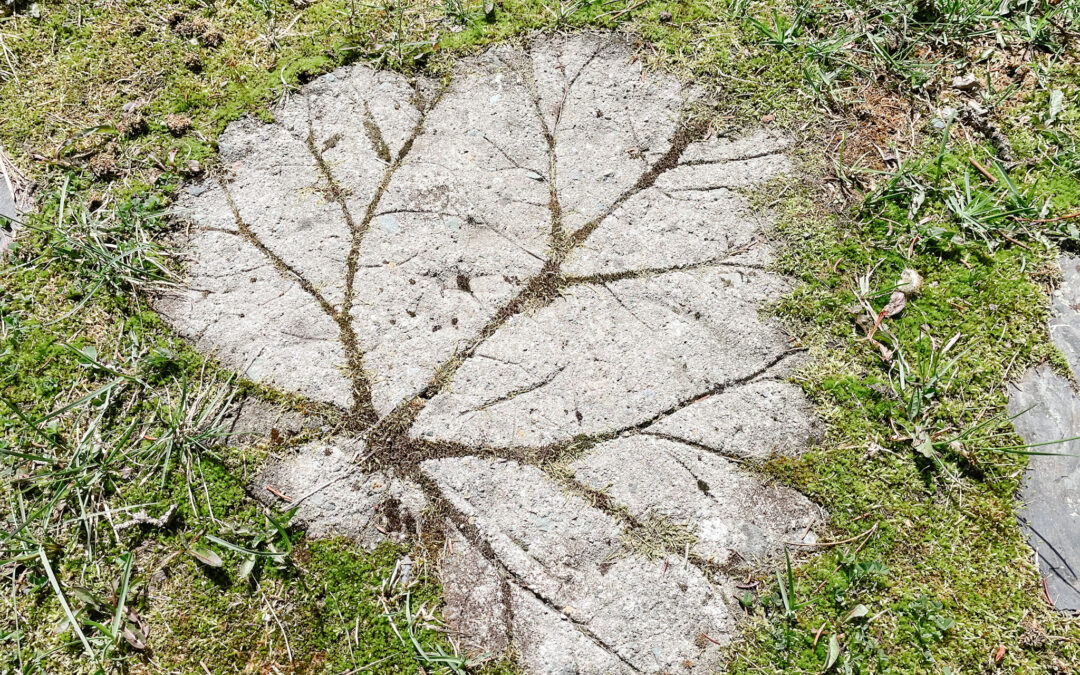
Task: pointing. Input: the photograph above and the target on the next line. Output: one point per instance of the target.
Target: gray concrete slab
(540, 261)
(736, 517)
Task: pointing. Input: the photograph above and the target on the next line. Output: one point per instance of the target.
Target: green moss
(959, 577)
(328, 604)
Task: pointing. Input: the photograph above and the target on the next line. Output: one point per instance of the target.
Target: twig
(868, 534)
(278, 494)
(983, 170)
(319, 488)
(1046, 592)
(865, 533)
(1018, 243)
(629, 9)
(1051, 220)
(288, 649)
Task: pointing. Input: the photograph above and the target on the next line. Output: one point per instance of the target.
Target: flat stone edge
(15, 200)
(1045, 407)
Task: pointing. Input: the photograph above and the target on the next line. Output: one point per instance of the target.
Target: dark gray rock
(1047, 408)
(14, 200)
(7, 202)
(1051, 491)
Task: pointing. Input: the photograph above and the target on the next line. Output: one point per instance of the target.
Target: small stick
(630, 9)
(982, 169)
(1020, 244)
(1051, 220)
(864, 541)
(715, 642)
(817, 635)
(823, 582)
(837, 543)
(837, 568)
(278, 494)
(319, 488)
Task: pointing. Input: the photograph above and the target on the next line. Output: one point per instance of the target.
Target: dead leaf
(910, 282)
(897, 303)
(886, 353)
(999, 654)
(205, 556)
(133, 639)
(858, 612)
(965, 82)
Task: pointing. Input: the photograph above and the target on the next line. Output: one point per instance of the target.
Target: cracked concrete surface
(535, 294)
(735, 516)
(563, 555)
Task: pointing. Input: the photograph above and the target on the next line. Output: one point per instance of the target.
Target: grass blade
(64, 603)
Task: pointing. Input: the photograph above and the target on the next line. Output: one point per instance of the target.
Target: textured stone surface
(766, 417)
(733, 514)
(14, 200)
(257, 421)
(609, 357)
(257, 320)
(1047, 408)
(450, 201)
(544, 250)
(7, 202)
(567, 556)
(475, 596)
(691, 215)
(336, 498)
(1065, 321)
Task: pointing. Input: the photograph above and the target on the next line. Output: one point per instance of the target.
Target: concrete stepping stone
(610, 357)
(534, 292)
(767, 417)
(333, 496)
